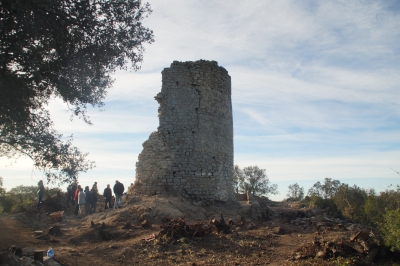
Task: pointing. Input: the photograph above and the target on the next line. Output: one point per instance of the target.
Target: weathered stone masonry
(192, 151)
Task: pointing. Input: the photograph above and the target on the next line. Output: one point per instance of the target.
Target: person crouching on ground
(118, 191)
(107, 197)
(81, 201)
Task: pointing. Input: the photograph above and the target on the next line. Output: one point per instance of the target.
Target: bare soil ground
(117, 237)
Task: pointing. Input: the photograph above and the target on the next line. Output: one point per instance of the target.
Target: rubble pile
(361, 247)
(178, 228)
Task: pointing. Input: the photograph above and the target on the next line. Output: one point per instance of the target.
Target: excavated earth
(177, 231)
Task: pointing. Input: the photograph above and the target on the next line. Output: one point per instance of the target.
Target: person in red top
(76, 199)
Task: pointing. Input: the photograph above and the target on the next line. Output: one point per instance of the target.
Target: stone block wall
(191, 153)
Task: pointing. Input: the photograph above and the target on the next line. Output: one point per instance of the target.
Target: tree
(326, 190)
(2, 190)
(351, 200)
(295, 192)
(256, 182)
(238, 178)
(64, 49)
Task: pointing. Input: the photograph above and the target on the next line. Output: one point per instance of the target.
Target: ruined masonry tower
(192, 151)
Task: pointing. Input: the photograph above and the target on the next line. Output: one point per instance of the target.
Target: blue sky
(315, 91)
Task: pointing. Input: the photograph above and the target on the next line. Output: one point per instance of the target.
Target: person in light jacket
(81, 201)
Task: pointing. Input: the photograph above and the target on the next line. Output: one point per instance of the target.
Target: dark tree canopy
(61, 49)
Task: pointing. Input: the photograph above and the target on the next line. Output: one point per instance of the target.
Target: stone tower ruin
(191, 153)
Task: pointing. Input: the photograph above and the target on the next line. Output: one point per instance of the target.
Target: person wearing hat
(118, 191)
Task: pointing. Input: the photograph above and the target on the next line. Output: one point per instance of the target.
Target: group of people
(86, 200)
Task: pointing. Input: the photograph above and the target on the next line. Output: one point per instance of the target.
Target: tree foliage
(295, 192)
(351, 200)
(326, 190)
(254, 180)
(63, 49)
(2, 190)
(238, 178)
(391, 229)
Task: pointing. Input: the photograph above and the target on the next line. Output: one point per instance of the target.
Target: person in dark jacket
(69, 194)
(40, 193)
(93, 199)
(107, 196)
(118, 191)
(88, 200)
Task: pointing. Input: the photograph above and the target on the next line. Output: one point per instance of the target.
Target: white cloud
(309, 79)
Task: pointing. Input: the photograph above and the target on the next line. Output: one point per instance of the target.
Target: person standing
(118, 191)
(76, 194)
(40, 193)
(93, 199)
(69, 194)
(88, 200)
(107, 196)
(95, 185)
(73, 189)
(81, 201)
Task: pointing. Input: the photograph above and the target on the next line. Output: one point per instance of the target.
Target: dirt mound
(154, 209)
(148, 231)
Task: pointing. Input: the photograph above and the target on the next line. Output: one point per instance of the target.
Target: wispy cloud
(315, 87)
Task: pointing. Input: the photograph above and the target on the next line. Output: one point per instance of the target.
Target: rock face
(191, 153)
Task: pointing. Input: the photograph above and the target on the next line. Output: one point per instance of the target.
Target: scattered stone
(321, 254)
(54, 230)
(144, 216)
(146, 224)
(17, 251)
(127, 225)
(277, 230)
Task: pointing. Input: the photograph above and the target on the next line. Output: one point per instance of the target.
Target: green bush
(376, 205)
(6, 204)
(391, 229)
(319, 202)
(350, 201)
(24, 198)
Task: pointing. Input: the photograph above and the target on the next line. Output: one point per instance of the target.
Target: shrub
(350, 201)
(391, 229)
(319, 202)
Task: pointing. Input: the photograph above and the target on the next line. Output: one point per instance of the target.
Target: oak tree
(256, 182)
(64, 49)
(295, 192)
